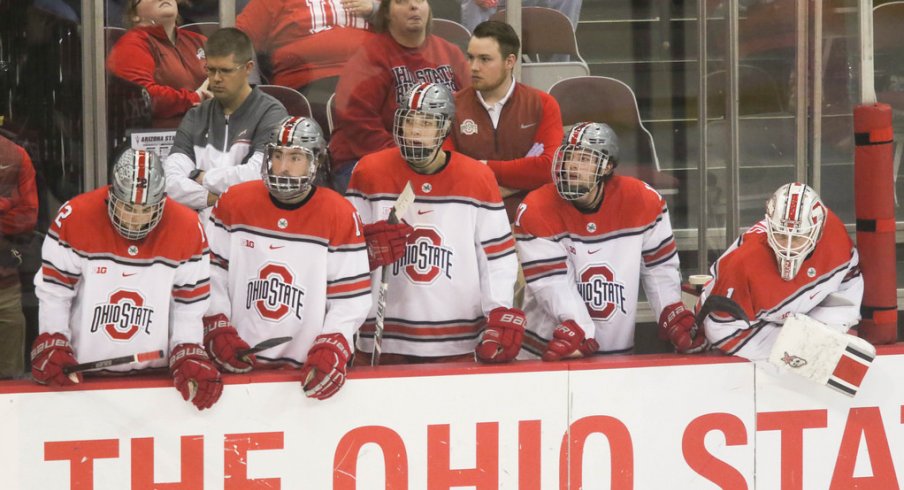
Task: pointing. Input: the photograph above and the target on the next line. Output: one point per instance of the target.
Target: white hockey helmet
(137, 193)
(422, 122)
(294, 133)
(795, 217)
(587, 153)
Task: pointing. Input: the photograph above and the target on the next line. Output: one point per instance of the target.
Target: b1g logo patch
(425, 257)
(123, 316)
(273, 294)
(602, 294)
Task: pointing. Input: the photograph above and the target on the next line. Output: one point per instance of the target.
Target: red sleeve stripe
(192, 293)
(734, 343)
(363, 284)
(544, 268)
(503, 246)
(667, 249)
(59, 276)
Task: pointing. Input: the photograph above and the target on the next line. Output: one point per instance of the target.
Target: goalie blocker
(811, 349)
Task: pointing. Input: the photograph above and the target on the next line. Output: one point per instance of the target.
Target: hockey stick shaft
(263, 345)
(116, 361)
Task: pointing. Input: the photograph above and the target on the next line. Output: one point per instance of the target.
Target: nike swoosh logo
(424, 212)
(127, 274)
(591, 252)
(814, 295)
(4, 167)
(525, 126)
(276, 247)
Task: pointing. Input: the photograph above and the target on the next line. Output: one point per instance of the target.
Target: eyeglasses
(211, 72)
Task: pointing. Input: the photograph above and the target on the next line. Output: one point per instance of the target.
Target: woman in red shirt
(167, 61)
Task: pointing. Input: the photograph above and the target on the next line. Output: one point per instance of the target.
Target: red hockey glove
(196, 378)
(386, 242)
(677, 325)
(50, 353)
(568, 341)
(223, 345)
(501, 341)
(323, 372)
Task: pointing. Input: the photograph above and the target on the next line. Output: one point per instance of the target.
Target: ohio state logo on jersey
(273, 293)
(123, 317)
(425, 257)
(602, 294)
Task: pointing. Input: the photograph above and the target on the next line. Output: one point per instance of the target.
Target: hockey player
(453, 266)
(585, 242)
(289, 259)
(798, 259)
(126, 270)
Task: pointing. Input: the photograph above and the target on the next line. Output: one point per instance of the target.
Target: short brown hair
(381, 18)
(229, 40)
(509, 44)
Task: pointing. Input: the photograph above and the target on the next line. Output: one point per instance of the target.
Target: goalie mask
(795, 217)
(422, 122)
(294, 152)
(587, 155)
(137, 194)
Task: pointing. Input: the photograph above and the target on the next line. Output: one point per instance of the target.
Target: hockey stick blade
(263, 345)
(116, 361)
(403, 202)
(722, 304)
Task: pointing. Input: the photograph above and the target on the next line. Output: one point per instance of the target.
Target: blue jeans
(342, 176)
(472, 14)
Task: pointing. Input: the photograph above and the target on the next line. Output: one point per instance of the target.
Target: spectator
(126, 270)
(308, 253)
(166, 60)
(308, 42)
(222, 141)
(798, 259)
(18, 215)
(513, 128)
(376, 79)
(452, 284)
(586, 243)
(473, 12)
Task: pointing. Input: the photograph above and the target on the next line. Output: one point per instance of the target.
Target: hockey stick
(116, 361)
(723, 304)
(263, 345)
(395, 215)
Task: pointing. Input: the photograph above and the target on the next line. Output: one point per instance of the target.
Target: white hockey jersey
(114, 297)
(588, 267)
(459, 264)
(828, 288)
(294, 270)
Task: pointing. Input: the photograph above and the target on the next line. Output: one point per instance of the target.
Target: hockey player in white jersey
(798, 259)
(452, 271)
(289, 259)
(586, 242)
(126, 270)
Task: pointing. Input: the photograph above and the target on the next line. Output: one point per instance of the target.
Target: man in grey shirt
(221, 142)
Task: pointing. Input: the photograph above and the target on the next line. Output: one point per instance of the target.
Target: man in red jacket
(513, 128)
(18, 215)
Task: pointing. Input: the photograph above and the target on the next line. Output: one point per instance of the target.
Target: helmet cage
(577, 170)
(137, 194)
(419, 149)
(293, 133)
(794, 223)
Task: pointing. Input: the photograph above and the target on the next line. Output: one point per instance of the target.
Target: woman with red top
(167, 61)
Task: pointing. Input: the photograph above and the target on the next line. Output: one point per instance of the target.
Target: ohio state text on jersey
(294, 270)
(459, 263)
(114, 297)
(588, 267)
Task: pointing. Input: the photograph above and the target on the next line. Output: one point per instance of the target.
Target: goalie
(797, 260)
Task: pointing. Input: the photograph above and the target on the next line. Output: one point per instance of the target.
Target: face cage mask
(419, 153)
(137, 226)
(285, 188)
(781, 239)
(576, 183)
